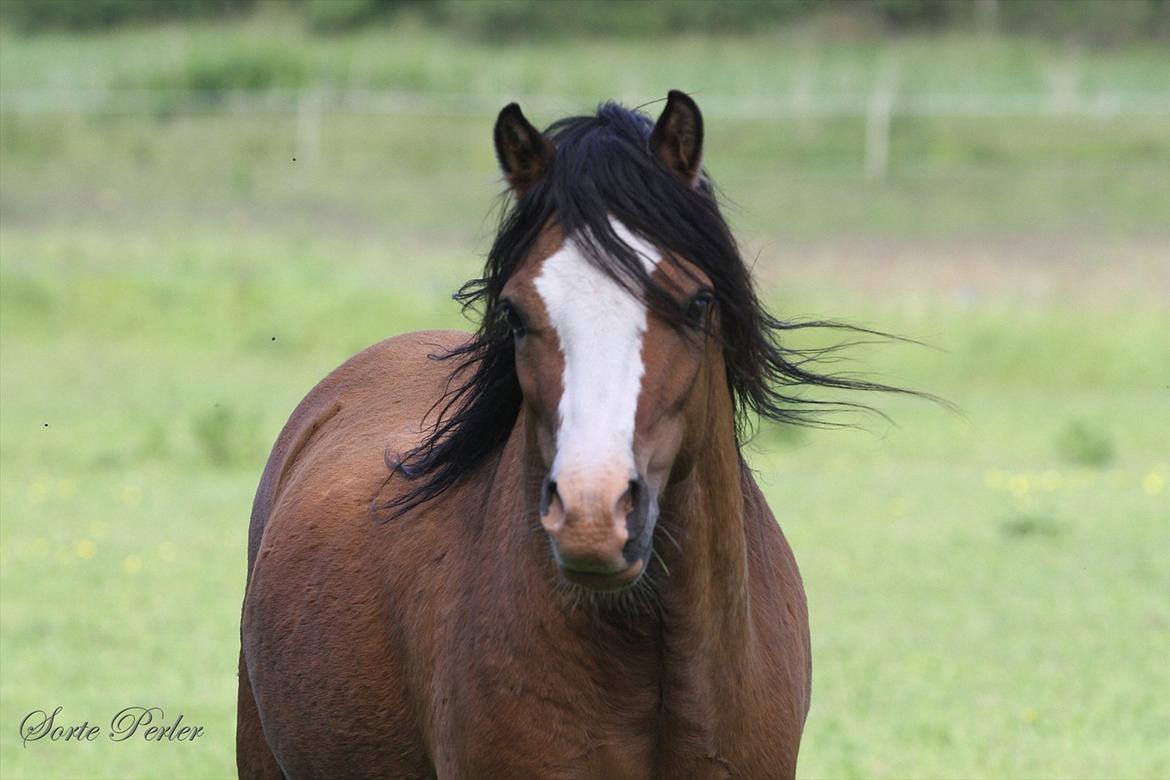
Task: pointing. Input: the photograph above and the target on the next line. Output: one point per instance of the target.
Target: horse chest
(527, 702)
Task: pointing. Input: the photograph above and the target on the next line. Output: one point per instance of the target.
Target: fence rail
(792, 105)
(879, 108)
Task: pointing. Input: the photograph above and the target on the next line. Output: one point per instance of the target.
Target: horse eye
(512, 319)
(697, 308)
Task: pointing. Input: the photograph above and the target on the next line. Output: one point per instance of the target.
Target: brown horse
(535, 551)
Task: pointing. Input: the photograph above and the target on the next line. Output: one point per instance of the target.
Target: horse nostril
(638, 518)
(637, 515)
(547, 492)
(632, 490)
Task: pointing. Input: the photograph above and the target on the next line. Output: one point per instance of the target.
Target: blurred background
(207, 205)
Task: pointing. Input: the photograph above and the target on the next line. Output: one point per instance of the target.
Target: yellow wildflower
(1152, 483)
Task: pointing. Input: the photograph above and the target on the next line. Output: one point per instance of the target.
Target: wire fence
(879, 108)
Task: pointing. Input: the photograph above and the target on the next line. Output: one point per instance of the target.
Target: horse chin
(606, 583)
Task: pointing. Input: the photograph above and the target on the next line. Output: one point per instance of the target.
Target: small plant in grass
(155, 444)
(226, 437)
(1085, 444)
(782, 435)
(1035, 525)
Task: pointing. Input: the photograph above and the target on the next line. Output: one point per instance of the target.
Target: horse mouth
(608, 581)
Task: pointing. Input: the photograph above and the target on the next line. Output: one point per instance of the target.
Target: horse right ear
(524, 153)
(677, 138)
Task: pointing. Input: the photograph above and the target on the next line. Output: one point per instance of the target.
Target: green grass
(275, 51)
(990, 591)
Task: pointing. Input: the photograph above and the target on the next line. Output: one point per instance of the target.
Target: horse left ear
(677, 139)
(524, 153)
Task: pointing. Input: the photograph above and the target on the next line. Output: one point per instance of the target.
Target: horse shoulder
(779, 604)
(326, 579)
(385, 389)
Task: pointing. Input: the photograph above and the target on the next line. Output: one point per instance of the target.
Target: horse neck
(707, 568)
(705, 599)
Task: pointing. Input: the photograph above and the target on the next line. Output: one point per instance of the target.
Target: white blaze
(600, 326)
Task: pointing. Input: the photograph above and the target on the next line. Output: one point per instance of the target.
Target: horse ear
(677, 139)
(524, 153)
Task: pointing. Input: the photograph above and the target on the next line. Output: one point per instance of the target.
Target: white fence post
(878, 116)
(308, 144)
(877, 135)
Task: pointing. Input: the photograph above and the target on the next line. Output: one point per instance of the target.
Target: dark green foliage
(511, 19)
(339, 15)
(1094, 21)
(263, 67)
(920, 13)
(212, 75)
(99, 14)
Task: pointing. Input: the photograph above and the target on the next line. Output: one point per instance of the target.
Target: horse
(536, 550)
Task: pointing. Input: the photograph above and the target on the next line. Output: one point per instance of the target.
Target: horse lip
(605, 582)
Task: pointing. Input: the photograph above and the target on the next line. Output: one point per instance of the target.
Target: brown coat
(442, 644)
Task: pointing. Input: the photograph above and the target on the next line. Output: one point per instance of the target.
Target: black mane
(603, 167)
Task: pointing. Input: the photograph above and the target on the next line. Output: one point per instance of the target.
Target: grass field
(990, 591)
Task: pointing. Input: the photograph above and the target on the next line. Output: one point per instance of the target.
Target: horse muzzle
(600, 524)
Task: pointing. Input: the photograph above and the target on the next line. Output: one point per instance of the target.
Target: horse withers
(535, 551)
